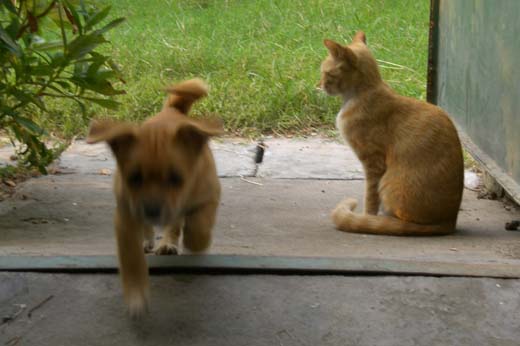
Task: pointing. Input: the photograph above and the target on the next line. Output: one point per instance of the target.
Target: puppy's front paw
(167, 249)
(137, 304)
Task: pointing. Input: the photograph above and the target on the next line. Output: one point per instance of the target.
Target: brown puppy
(165, 177)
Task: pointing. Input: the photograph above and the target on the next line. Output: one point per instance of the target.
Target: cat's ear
(360, 37)
(335, 49)
(339, 52)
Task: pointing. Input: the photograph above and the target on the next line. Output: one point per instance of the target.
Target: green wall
(478, 74)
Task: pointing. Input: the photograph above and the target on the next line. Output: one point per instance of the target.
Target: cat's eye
(135, 179)
(174, 179)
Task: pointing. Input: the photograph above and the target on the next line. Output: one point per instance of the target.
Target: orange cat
(409, 149)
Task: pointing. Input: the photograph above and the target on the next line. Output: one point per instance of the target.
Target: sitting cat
(410, 150)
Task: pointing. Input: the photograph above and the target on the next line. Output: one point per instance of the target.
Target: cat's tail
(183, 95)
(347, 221)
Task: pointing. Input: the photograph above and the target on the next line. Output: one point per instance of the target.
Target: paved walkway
(279, 207)
(187, 310)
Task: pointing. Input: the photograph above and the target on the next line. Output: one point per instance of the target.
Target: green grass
(260, 57)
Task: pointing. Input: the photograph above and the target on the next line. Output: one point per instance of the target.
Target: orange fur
(165, 177)
(409, 149)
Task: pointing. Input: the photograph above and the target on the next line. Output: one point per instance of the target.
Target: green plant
(49, 50)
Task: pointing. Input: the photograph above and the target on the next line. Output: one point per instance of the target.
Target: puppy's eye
(330, 74)
(174, 179)
(135, 179)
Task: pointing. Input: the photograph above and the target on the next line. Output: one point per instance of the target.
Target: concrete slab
(262, 310)
(234, 158)
(83, 158)
(310, 158)
(71, 213)
(61, 215)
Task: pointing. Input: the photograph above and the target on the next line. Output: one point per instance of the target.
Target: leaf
(48, 45)
(116, 69)
(41, 70)
(82, 8)
(58, 59)
(80, 69)
(26, 97)
(64, 84)
(97, 17)
(21, 96)
(58, 90)
(111, 25)
(94, 67)
(9, 5)
(10, 44)
(94, 77)
(14, 27)
(104, 74)
(29, 125)
(82, 45)
(100, 86)
(8, 110)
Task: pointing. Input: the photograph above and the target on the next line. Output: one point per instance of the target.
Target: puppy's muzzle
(152, 211)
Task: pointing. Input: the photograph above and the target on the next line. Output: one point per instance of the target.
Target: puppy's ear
(195, 133)
(120, 136)
(340, 52)
(360, 37)
(184, 94)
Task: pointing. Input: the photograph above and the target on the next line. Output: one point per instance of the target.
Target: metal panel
(226, 264)
(474, 76)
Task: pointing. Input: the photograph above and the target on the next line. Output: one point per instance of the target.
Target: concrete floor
(62, 215)
(277, 208)
(263, 310)
(280, 208)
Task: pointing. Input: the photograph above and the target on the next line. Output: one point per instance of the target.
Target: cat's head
(348, 68)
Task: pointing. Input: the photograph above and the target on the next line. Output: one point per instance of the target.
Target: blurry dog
(165, 177)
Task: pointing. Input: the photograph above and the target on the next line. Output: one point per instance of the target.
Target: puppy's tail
(347, 221)
(183, 95)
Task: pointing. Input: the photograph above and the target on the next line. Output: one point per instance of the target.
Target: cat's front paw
(348, 205)
(167, 249)
(148, 245)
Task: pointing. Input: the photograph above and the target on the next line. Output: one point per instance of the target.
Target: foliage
(50, 50)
